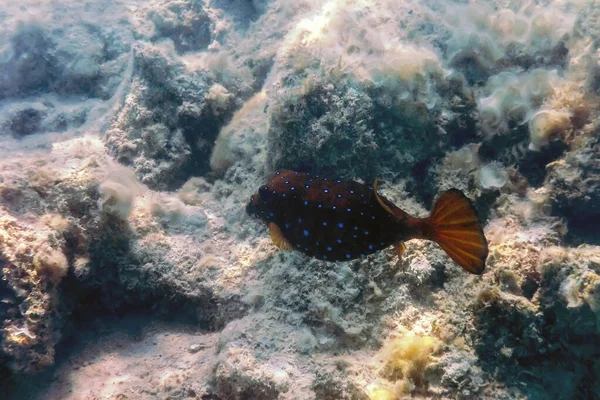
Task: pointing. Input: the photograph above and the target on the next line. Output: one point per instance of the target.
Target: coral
(569, 290)
(544, 295)
(183, 21)
(568, 299)
(51, 114)
(168, 125)
(301, 133)
(26, 121)
(33, 273)
(458, 370)
(31, 65)
(366, 94)
(573, 180)
(335, 125)
(66, 59)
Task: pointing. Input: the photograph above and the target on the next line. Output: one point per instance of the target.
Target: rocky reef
(132, 135)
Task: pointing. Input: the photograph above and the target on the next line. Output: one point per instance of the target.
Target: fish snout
(251, 208)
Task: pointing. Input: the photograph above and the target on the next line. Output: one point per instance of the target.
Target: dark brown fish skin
(330, 219)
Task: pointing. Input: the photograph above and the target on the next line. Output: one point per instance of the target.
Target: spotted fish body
(334, 221)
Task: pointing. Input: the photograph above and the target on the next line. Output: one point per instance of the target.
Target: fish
(335, 220)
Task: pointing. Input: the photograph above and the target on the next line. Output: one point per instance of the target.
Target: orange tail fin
(455, 226)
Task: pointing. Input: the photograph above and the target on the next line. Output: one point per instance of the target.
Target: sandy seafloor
(132, 134)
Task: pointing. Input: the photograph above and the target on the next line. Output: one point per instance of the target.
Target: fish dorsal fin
(278, 239)
(395, 211)
(381, 203)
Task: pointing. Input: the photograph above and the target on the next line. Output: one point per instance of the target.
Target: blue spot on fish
(340, 225)
(347, 255)
(328, 248)
(370, 247)
(324, 223)
(306, 233)
(325, 190)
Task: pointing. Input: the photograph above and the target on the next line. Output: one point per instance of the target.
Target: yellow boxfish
(333, 220)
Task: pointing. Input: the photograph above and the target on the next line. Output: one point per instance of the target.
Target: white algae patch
(133, 133)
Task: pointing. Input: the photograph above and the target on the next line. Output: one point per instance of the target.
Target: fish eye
(265, 194)
(254, 200)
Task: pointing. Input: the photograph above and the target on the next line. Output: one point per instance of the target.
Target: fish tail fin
(455, 226)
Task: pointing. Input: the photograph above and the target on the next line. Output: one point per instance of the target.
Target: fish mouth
(251, 208)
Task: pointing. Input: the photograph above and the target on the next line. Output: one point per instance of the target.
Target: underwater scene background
(133, 134)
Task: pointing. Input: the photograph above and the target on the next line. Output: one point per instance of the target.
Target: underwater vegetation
(133, 134)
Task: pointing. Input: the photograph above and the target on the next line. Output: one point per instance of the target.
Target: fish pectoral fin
(400, 247)
(278, 238)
